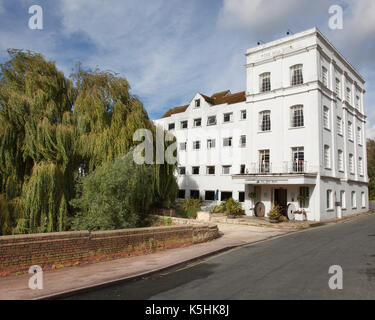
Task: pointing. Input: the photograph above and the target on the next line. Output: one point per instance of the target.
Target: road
(294, 266)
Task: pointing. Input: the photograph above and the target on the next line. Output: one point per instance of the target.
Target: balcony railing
(298, 166)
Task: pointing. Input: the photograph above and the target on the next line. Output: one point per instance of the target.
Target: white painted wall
(313, 51)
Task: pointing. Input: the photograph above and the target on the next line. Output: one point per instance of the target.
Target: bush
(113, 196)
(275, 213)
(189, 208)
(191, 204)
(231, 206)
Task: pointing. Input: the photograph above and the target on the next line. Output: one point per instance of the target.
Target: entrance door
(281, 199)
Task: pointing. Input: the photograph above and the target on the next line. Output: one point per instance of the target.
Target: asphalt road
(294, 266)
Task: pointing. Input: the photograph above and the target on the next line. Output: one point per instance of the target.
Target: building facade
(294, 138)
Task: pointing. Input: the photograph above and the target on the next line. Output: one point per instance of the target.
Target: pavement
(79, 279)
(295, 266)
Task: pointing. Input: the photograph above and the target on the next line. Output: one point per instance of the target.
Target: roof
(216, 99)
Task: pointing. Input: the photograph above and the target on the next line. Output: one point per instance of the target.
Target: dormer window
(265, 82)
(197, 103)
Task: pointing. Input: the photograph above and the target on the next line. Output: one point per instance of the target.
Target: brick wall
(60, 249)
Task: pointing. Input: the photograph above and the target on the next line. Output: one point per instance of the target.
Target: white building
(295, 137)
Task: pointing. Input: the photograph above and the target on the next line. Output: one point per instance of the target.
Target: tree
(53, 130)
(371, 167)
(37, 143)
(114, 196)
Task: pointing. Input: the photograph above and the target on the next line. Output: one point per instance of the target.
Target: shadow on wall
(188, 183)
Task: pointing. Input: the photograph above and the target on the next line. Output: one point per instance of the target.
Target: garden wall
(56, 250)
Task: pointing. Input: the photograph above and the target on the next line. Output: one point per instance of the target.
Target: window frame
(329, 204)
(296, 75)
(297, 121)
(195, 143)
(194, 168)
(230, 140)
(211, 144)
(265, 82)
(325, 76)
(208, 170)
(181, 124)
(265, 121)
(327, 157)
(208, 121)
(226, 167)
(230, 117)
(340, 160)
(195, 122)
(326, 118)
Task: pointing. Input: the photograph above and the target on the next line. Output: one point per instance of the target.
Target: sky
(170, 49)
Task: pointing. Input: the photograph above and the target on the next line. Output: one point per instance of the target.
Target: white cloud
(265, 18)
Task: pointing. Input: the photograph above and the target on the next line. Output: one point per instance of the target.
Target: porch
(291, 191)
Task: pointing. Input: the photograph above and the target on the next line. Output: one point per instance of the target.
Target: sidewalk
(83, 277)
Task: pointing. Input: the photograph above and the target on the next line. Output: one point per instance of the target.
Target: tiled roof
(216, 99)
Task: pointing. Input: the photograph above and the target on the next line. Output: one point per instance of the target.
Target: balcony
(286, 167)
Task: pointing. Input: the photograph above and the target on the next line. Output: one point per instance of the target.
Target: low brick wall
(60, 249)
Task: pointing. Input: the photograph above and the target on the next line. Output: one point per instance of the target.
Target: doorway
(281, 199)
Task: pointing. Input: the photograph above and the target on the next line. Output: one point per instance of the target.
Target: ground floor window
(363, 197)
(181, 194)
(194, 194)
(241, 196)
(209, 195)
(329, 199)
(303, 197)
(342, 199)
(225, 195)
(354, 200)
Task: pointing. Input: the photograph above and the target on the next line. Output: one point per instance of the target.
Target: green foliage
(275, 212)
(53, 130)
(231, 206)
(371, 167)
(113, 196)
(37, 142)
(189, 208)
(191, 204)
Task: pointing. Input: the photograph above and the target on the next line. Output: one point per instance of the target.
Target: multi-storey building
(295, 137)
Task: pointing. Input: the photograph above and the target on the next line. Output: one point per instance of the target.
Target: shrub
(231, 206)
(191, 204)
(189, 208)
(275, 213)
(113, 196)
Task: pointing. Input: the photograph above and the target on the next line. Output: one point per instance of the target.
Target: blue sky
(169, 50)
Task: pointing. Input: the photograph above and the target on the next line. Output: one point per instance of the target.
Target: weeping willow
(36, 144)
(54, 129)
(107, 116)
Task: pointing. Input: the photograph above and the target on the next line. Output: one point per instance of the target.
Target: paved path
(294, 266)
(75, 278)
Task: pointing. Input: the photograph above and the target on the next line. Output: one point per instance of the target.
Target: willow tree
(54, 129)
(108, 116)
(37, 137)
